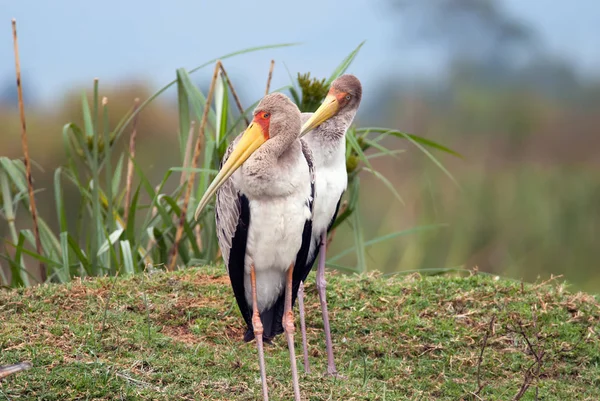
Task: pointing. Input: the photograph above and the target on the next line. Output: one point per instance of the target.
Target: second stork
(325, 131)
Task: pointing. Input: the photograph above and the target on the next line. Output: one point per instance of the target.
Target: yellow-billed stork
(265, 190)
(325, 134)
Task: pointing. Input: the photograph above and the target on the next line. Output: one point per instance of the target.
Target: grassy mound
(166, 336)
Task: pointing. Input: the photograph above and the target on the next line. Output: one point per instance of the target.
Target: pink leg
(303, 327)
(258, 334)
(321, 288)
(288, 327)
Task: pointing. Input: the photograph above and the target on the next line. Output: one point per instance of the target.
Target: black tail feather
(271, 320)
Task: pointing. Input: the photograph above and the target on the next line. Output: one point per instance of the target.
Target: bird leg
(321, 288)
(303, 327)
(288, 327)
(258, 334)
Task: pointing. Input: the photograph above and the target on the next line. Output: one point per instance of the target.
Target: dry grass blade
(36, 230)
(188, 152)
(190, 183)
(270, 77)
(152, 240)
(129, 182)
(198, 233)
(137, 382)
(233, 92)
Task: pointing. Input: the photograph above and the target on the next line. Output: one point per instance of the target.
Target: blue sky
(67, 43)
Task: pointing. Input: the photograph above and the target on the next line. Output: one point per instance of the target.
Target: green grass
(166, 336)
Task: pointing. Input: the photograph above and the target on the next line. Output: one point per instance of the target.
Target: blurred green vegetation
(529, 199)
(529, 191)
(527, 203)
(110, 225)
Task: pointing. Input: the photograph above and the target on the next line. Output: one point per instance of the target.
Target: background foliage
(523, 117)
(126, 223)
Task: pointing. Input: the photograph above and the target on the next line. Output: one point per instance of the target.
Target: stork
(324, 131)
(265, 191)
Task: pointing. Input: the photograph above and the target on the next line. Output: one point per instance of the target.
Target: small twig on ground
(129, 182)
(527, 380)
(270, 77)
(541, 354)
(8, 370)
(476, 396)
(521, 331)
(192, 175)
(480, 360)
(233, 92)
(538, 355)
(25, 145)
(544, 283)
(138, 382)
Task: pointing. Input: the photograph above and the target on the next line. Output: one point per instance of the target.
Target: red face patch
(342, 97)
(263, 119)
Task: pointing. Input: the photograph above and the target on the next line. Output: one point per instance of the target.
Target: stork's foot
(288, 323)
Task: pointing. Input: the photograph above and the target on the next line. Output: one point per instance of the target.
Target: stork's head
(275, 115)
(344, 95)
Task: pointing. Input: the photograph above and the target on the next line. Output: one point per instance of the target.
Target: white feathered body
(279, 209)
(331, 180)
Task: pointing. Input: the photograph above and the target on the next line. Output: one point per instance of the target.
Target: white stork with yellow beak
(325, 133)
(265, 191)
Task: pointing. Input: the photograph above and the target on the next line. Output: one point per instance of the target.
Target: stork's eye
(348, 97)
(266, 115)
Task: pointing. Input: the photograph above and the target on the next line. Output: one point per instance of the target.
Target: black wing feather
(232, 214)
(237, 257)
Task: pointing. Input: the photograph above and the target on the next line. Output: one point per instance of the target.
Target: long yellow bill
(251, 140)
(326, 110)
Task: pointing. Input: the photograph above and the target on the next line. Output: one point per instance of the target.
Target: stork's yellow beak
(253, 137)
(326, 110)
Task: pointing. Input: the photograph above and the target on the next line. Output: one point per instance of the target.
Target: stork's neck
(278, 146)
(333, 130)
(328, 140)
(275, 161)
